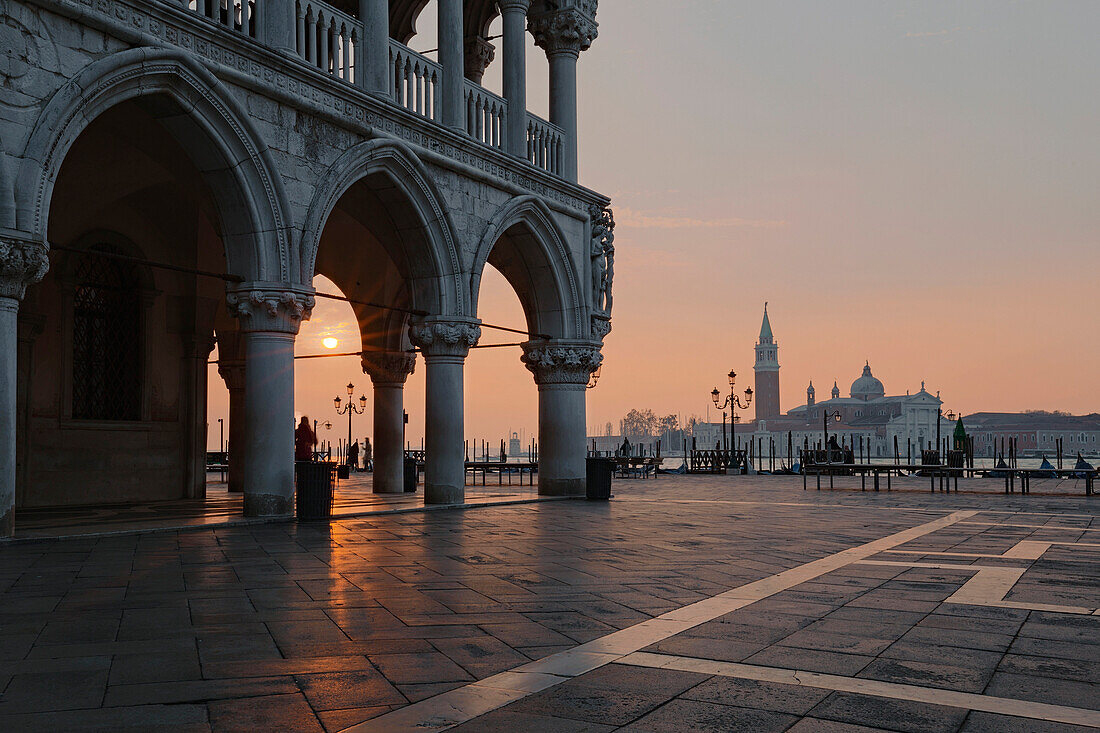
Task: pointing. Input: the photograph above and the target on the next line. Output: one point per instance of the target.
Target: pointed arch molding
(533, 212)
(408, 174)
(205, 102)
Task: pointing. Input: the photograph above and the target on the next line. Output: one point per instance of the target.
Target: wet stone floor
(686, 603)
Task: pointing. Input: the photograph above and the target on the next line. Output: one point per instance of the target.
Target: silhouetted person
(305, 440)
(625, 448)
(368, 455)
(353, 456)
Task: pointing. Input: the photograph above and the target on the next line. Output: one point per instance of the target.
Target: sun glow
(330, 343)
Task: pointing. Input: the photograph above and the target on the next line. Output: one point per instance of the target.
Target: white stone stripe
(892, 690)
(988, 587)
(465, 703)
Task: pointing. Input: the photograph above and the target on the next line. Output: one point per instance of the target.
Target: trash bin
(314, 486)
(412, 475)
(598, 473)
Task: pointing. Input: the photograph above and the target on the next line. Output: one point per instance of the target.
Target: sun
(330, 343)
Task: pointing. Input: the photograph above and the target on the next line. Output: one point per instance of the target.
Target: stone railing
(416, 81)
(332, 42)
(485, 114)
(237, 15)
(327, 38)
(545, 144)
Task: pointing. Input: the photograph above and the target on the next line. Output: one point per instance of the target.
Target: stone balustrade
(239, 16)
(485, 114)
(545, 144)
(335, 43)
(416, 81)
(327, 38)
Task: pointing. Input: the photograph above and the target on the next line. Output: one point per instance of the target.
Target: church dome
(867, 387)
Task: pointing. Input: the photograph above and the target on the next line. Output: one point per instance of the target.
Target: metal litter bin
(412, 475)
(314, 484)
(598, 472)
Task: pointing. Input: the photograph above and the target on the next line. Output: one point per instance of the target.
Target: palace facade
(174, 173)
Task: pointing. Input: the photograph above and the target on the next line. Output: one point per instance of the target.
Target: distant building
(1034, 432)
(766, 370)
(867, 413)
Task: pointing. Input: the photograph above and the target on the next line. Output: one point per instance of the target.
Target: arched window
(107, 339)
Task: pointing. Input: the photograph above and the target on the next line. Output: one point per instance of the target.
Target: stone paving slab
(329, 626)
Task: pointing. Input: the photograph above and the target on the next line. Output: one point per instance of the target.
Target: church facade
(866, 414)
(174, 174)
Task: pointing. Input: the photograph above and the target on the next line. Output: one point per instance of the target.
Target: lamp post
(733, 401)
(939, 417)
(350, 409)
(825, 417)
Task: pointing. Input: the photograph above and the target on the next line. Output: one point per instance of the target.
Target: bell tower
(767, 372)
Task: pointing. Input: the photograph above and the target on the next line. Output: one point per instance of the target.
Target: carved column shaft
(232, 373)
(562, 369)
(22, 262)
(514, 74)
(388, 372)
(270, 315)
(445, 344)
(564, 33)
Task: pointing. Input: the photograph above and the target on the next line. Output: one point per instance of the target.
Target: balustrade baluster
(344, 48)
(245, 20)
(434, 99)
(480, 109)
(410, 85)
(353, 66)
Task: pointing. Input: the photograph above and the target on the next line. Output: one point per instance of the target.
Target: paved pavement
(686, 603)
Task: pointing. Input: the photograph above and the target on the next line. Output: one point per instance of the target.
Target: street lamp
(950, 415)
(825, 417)
(733, 401)
(350, 408)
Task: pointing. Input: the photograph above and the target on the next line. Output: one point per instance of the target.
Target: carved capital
(388, 367)
(479, 54)
(445, 337)
(561, 362)
(232, 373)
(567, 26)
(22, 263)
(270, 306)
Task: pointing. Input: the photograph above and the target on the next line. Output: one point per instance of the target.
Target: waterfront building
(1034, 433)
(175, 174)
(867, 413)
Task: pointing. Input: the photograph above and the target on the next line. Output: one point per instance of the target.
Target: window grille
(107, 342)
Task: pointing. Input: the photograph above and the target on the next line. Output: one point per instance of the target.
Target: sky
(914, 184)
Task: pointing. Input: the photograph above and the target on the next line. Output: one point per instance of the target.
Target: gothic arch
(197, 109)
(554, 303)
(432, 265)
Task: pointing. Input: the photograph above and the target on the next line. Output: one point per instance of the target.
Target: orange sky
(911, 184)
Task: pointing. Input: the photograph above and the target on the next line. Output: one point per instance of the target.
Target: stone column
(373, 72)
(195, 372)
(22, 262)
(445, 342)
(388, 371)
(562, 369)
(270, 315)
(563, 33)
(514, 17)
(450, 58)
(277, 25)
(232, 373)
